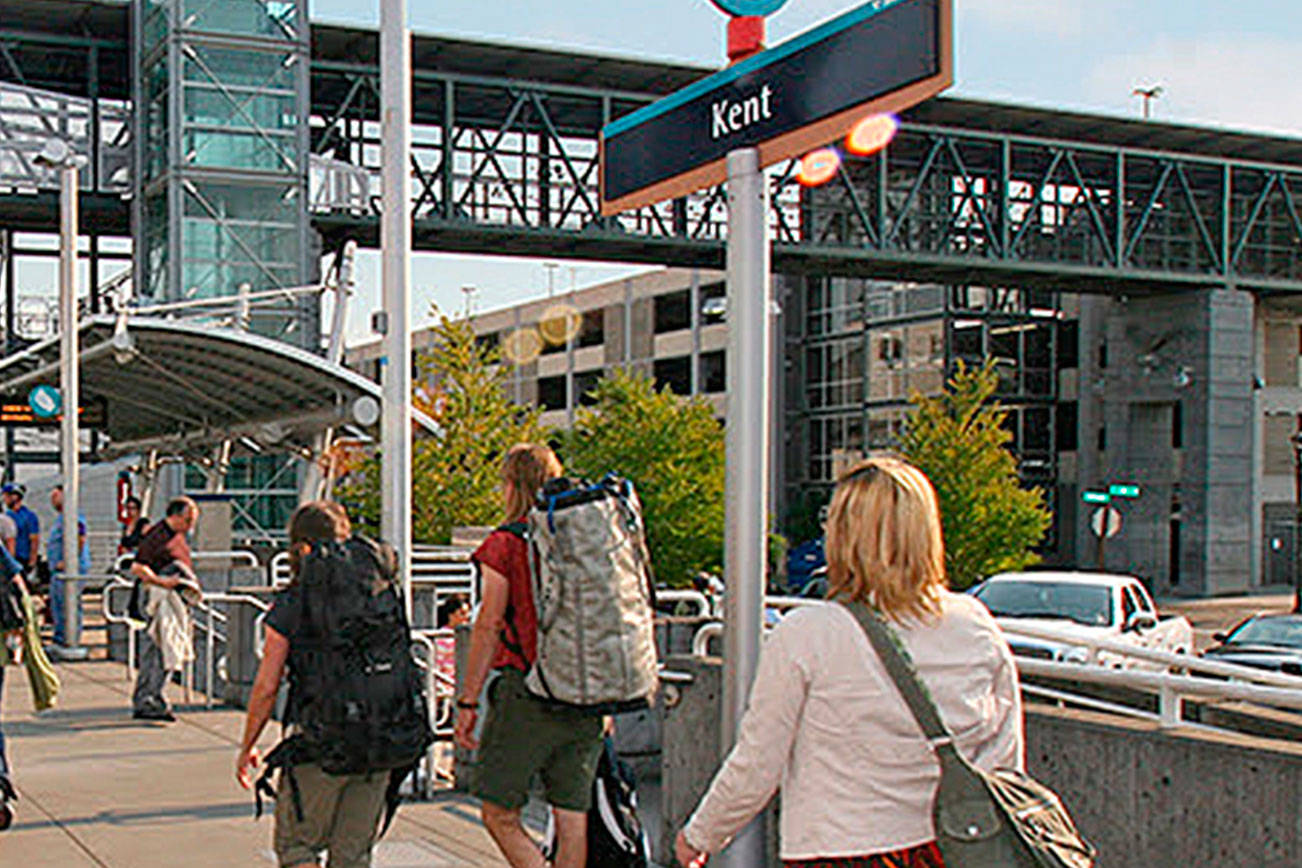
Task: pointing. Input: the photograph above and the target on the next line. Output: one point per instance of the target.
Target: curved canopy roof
(185, 388)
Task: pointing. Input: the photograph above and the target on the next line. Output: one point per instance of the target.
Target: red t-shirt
(508, 554)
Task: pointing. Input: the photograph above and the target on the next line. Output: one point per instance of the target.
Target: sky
(1221, 63)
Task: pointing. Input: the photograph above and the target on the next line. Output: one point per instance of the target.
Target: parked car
(1081, 607)
(1263, 642)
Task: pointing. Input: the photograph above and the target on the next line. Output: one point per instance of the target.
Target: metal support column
(318, 472)
(395, 241)
(747, 449)
(70, 391)
(11, 341)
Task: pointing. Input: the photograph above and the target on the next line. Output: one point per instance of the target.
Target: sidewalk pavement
(99, 788)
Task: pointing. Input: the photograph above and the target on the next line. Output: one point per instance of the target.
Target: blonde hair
(884, 542)
(526, 467)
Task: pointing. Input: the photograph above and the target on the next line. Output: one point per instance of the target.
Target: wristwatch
(467, 705)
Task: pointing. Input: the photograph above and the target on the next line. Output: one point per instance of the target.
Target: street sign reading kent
(1096, 497)
(1130, 492)
(883, 56)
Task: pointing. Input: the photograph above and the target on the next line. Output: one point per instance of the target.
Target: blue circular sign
(45, 401)
(743, 8)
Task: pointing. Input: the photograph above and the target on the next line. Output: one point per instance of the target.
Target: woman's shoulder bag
(999, 819)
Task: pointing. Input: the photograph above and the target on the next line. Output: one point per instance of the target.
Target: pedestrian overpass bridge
(506, 150)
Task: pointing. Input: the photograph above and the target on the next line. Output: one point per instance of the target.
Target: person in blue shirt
(28, 542)
(54, 554)
(10, 571)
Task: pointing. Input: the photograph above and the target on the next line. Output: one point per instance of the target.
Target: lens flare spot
(560, 323)
(819, 167)
(872, 134)
(522, 346)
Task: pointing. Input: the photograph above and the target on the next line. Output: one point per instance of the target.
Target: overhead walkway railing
(98, 130)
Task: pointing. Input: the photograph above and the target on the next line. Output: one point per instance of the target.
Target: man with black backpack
(357, 721)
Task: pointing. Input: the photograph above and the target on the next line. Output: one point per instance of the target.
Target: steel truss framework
(507, 164)
(512, 158)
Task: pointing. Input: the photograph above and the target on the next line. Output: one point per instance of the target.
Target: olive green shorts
(523, 736)
(341, 815)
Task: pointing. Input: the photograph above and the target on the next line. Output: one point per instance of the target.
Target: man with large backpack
(567, 632)
(357, 721)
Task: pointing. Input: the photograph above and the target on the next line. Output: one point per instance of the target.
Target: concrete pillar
(1195, 350)
(1221, 464)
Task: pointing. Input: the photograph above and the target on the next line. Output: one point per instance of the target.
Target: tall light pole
(395, 240)
(1148, 94)
(57, 155)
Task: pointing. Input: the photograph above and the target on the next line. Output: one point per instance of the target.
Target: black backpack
(616, 836)
(356, 694)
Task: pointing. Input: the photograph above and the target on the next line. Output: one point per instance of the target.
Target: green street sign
(1126, 491)
(1096, 497)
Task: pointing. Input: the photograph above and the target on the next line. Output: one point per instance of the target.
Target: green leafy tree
(957, 438)
(456, 475)
(672, 450)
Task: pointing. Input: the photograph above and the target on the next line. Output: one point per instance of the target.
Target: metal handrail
(278, 569)
(244, 557)
(701, 641)
(209, 626)
(1171, 689)
(702, 602)
(442, 720)
(210, 632)
(111, 617)
(1167, 659)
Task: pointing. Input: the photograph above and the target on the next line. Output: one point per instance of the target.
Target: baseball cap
(11, 488)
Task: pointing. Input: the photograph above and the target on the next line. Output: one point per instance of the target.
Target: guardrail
(1171, 690)
(1178, 677)
(704, 609)
(1166, 659)
(237, 557)
(440, 688)
(444, 568)
(206, 607)
(701, 641)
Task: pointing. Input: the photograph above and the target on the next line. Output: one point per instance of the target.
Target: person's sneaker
(7, 797)
(161, 714)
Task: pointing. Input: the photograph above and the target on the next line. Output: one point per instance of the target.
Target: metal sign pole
(70, 390)
(395, 240)
(747, 451)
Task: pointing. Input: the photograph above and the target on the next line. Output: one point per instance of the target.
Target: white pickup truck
(1081, 607)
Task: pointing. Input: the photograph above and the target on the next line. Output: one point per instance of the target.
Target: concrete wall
(1143, 796)
(1146, 797)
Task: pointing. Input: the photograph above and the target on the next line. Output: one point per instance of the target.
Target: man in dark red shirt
(161, 551)
(522, 735)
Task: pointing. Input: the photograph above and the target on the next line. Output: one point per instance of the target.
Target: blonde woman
(826, 723)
